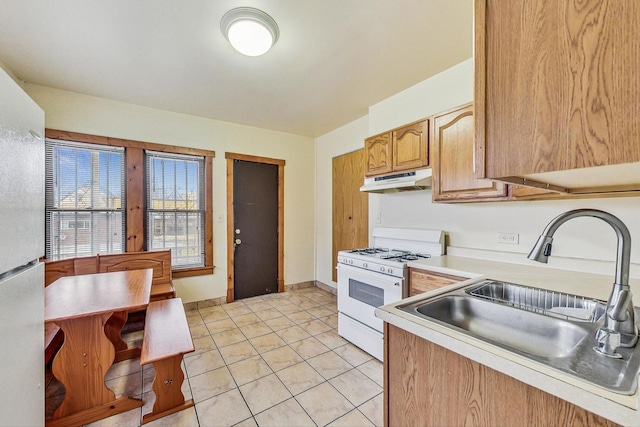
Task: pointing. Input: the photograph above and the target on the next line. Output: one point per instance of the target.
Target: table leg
(81, 364)
(113, 329)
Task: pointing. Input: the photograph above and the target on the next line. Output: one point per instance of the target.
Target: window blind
(176, 207)
(84, 199)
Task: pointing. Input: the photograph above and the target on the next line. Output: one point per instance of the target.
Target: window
(85, 204)
(110, 195)
(175, 206)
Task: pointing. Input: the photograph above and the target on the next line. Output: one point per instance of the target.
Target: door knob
(238, 241)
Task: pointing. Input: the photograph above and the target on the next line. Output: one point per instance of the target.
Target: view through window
(175, 206)
(85, 201)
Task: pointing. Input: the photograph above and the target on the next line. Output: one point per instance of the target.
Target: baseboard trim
(326, 287)
(223, 300)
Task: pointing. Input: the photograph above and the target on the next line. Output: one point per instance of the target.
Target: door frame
(230, 218)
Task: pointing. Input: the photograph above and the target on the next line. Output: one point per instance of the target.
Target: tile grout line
(300, 299)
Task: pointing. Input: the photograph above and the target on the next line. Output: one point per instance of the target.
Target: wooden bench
(161, 286)
(166, 340)
(159, 261)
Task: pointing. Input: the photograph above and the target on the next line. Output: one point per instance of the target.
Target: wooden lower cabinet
(427, 385)
(421, 281)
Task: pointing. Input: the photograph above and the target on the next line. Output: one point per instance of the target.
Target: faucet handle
(608, 342)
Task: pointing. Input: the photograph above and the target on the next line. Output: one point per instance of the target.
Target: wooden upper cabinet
(454, 179)
(403, 149)
(557, 86)
(379, 154)
(410, 146)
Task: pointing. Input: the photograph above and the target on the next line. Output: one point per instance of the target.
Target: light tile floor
(274, 360)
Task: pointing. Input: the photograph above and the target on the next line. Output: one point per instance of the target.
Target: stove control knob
(382, 269)
(351, 261)
(365, 265)
(390, 270)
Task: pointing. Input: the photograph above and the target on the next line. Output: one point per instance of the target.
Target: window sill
(191, 272)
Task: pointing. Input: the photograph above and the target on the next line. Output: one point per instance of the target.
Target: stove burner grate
(405, 256)
(368, 251)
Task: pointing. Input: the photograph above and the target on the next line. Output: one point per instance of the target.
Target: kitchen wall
(86, 114)
(584, 244)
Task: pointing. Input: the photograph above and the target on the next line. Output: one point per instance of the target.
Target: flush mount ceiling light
(250, 31)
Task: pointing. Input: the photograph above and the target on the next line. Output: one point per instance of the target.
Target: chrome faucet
(619, 328)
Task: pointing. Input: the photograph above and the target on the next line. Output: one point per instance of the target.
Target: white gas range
(371, 277)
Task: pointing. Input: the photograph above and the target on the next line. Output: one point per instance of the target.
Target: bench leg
(113, 329)
(167, 386)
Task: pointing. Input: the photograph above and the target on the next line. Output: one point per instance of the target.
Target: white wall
(86, 114)
(441, 92)
(584, 244)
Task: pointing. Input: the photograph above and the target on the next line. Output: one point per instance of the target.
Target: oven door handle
(373, 275)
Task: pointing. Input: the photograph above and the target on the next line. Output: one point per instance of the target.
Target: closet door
(350, 205)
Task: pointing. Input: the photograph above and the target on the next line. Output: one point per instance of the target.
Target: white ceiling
(333, 60)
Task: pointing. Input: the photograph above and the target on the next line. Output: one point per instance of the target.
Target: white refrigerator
(21, 245)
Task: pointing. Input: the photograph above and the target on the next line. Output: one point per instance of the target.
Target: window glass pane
(84, 199)
(175, 207)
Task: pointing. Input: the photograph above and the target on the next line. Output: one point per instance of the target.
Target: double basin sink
(555, 329)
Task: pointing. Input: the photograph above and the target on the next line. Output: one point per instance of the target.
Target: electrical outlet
(379, 218)
(511, 238)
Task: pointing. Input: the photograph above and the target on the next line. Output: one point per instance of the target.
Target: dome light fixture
(250, 31)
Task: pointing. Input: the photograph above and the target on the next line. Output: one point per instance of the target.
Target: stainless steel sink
(545, 336)
(557, 304)
(552, 328)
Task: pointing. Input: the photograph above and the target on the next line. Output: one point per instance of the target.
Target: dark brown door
(255, 213)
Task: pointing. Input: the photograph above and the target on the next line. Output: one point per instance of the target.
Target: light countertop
(615, 407)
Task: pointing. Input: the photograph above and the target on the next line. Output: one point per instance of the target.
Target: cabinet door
(379, 154)
(411, 146)
(427, 385)
(567, 96)
(421, 281)
(452, 145)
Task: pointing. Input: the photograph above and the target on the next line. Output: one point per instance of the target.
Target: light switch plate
(379, 218)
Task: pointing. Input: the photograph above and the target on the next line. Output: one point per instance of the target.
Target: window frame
(151, 174)
(62, 218)
(136, 212)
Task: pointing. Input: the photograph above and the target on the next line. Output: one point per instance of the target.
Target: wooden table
(91, 309)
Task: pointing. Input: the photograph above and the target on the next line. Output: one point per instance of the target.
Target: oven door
(360, 291)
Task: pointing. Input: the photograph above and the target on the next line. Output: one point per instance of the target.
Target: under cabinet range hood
(402, 181)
